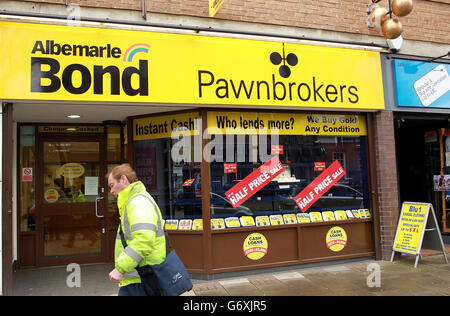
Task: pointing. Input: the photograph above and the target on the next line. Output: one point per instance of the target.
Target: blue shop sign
(422, 84)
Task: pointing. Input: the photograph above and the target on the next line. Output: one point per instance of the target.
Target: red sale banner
(254, 182)
(319, 186)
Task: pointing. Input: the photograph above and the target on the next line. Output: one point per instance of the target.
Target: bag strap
(122, 237)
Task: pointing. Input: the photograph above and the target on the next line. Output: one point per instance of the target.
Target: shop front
(421, 108)
(258, 152)
(278, 188)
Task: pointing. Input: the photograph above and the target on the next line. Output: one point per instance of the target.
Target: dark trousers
(135, 289)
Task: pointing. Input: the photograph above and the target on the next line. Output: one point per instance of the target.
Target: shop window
(71, 169)
(239, 144)
(174, 184)
(27, 218)
(299, 154)
(304, 158)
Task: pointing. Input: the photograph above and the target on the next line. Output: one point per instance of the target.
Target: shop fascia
(62, 63)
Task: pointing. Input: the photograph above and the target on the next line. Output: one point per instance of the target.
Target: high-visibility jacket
(142, 226)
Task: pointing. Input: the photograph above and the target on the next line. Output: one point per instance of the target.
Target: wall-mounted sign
(422, 84)
(64, 63)
(27, 174)
(164, 126)
(250, 123)
(255, 246)
(70, 129)
(336, 239)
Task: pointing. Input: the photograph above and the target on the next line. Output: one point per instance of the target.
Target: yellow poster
(411, 227)
(94, 64)
(248, 123)
(217, 223)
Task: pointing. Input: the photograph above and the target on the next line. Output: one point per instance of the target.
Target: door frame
(100, 137)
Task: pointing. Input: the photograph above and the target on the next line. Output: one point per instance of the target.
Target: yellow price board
(417, 228)
(411, 227)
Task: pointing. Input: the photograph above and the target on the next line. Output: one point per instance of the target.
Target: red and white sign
(319, 186)
(188, 182)
(254, 182)
(277, 149)
(27, 174)
(319, 166)
(230, 167)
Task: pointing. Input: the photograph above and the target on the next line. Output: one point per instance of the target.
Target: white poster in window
(90, 185)
(433, 85)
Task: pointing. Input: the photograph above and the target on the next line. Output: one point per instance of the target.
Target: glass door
(71, 199)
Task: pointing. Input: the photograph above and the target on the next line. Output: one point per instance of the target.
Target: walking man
(141, 222)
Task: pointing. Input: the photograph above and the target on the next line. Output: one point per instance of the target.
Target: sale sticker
(188, 182)
(319, 166)
(254, 182)
(329, 177)
(229, 167)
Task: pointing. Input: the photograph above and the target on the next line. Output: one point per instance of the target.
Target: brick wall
(386, 180)
(427, 22)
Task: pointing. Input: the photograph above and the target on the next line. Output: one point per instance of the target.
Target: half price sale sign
(254, 182)
(319, 186)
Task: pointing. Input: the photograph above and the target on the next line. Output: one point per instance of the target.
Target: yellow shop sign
(164, 126)
(248, 123)
(64, 63)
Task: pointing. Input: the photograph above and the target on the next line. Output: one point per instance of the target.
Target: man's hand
(115, 276)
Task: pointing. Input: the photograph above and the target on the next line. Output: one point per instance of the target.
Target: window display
(240, 145)
(304, 158)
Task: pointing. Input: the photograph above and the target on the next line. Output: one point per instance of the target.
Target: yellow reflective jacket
(142, 226)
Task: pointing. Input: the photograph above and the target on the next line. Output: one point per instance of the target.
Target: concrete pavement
(353, 278)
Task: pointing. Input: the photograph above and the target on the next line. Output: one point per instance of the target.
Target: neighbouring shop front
(422, 129)
(258, 153)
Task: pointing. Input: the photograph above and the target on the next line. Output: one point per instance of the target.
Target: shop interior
(423, 163)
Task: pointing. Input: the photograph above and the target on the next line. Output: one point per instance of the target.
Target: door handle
(98, 198)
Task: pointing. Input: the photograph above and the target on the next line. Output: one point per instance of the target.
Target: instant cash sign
(329, 177)
(254, 182)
